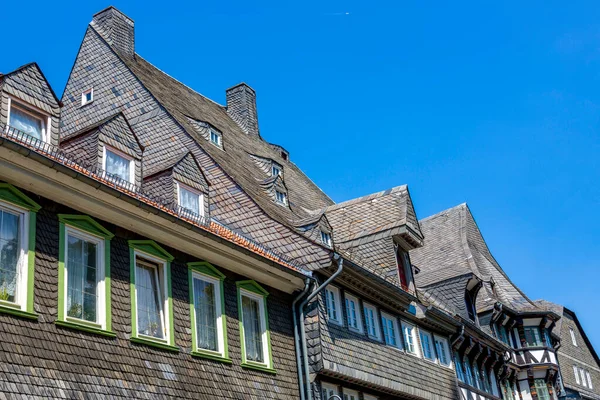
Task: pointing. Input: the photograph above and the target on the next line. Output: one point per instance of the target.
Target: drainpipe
(307, 285)
(337, 258)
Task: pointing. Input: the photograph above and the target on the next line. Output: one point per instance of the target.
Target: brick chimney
(117, 29)
(241, 107)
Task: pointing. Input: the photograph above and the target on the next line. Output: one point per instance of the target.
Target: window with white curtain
(13, 253)
(372, 321)
(390, 330)
(207, 299)
(254, 328)
(353, 313)
(26, 120)
(84, 269)
(150, 299)
(190, 199)
(119, 165)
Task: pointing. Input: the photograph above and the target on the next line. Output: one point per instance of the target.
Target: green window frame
(15, 202)
(86, 229)
(208, 274)
(253, 292)
(148, 255)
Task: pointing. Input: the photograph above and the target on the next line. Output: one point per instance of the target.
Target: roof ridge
(439, 214)
(368, 197)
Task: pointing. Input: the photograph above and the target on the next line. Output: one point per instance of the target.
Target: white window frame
(100, 274)
(431, 346)
(106, 148)
(84, 100)
(583, 377)
(326, 238)
(218, 313)
(444, 343)
(263, 326)
(276, 168)
(573, 337)
(346, 393)
(23, 106)
(23, 261)
(194, 191)
(576, 373)
(338, 304)
(283, 202)
(358, 317)
(377, 327)
(589, 379)
(329, 387)
(394, 320)
(218, 135)
(160, 266)
(370, 397)
(415, 338)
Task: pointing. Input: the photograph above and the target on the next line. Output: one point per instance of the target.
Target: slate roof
(33, 85)
(453, 246)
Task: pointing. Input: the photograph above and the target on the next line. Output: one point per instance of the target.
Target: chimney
(241, 107)
(117, 29)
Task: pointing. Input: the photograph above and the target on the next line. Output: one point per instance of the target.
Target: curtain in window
(117, 166)
(389, 332)
(26, 123)
(149, 302)
(9, 255)
(206, 318)
(82, 284)
(252, 330)
(189, 200)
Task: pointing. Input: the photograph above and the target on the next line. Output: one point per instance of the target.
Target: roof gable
(30, 81)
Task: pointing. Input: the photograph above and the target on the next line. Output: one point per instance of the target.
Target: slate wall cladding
(580, 355)
(28, 85)
(41, 359)
(162, 187)
(372, 360)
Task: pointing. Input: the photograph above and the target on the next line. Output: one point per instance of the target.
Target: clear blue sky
(496, 105)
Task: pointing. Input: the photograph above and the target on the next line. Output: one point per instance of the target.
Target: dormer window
(275, 170)
(404, 266)
(26, 120)
(281, 197)
(119, 165)
(87, 96)
(190, 199)
(215, 138)
(326, 238)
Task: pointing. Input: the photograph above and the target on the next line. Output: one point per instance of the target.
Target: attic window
(284, 155)
(275, 170)
(281, 197)
(215, 138)
(87, 96)
(326, 238)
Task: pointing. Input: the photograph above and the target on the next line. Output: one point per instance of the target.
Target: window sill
(355, 330)
(152, 343)
(85, 328)
(210, 356)
(5, 309)
(258, 367)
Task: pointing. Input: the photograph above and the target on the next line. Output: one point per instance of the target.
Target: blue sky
(496, 105)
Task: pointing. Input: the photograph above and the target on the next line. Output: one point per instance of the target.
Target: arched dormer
(471, 290)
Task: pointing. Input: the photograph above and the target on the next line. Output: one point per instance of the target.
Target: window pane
(26, 123)
(425, 340)
(532, 336)
(82, 283)
(189, 200)
(117, 166)
(9, 255)
(206, 317)
(252, 330)
(331, 305)
(542, 390)
(149, 302)
(410, 342)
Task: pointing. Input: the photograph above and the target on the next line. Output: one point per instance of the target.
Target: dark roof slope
(453, 246)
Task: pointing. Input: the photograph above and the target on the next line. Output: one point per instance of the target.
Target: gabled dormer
(29, 109)
(109, 147)
(317, 228)
(179, 182)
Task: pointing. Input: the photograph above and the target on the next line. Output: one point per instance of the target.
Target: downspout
(307, 285)
(340, 262)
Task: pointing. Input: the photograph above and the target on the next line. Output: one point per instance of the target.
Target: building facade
(154, 245)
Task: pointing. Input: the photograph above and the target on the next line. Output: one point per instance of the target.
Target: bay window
(542, 389)
(458, 365)
(254, 326)
(84, 275)
(532, 336)
(151, 303)
(209, 329)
